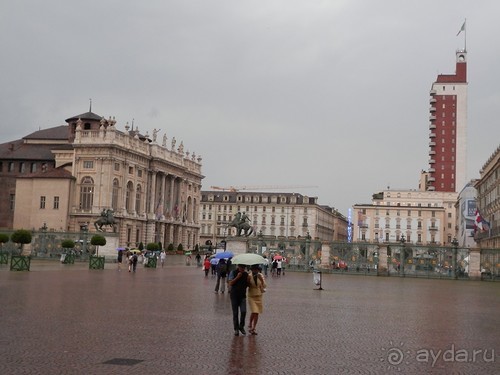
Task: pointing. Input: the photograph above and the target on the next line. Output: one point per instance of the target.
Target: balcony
(432, 161)
(433, 228)
(432, 100)
(432, 152)
(432, 117)
(432, 92)
(431, 188)
(432, 135)
(431, 179)
(432, 170)
(432, 144)
(432, 126)
(432, 109)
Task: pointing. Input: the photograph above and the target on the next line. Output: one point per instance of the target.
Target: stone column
(325, 255)
(172, 191)
(475, 264)
(153, 193)
(382, 261)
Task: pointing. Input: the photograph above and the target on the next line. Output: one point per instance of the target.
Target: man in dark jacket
(238, 294)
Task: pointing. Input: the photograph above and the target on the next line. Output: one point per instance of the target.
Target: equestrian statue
(107, 218)
(242, 224)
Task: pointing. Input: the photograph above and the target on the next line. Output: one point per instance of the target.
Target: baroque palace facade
(286, 216)
(63, 178)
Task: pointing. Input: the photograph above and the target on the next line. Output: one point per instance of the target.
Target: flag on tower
(461, 29)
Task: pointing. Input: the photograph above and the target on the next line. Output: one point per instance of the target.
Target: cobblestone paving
(66, 319)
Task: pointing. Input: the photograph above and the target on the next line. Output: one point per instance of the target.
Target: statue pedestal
(109, 250)
(237, 245)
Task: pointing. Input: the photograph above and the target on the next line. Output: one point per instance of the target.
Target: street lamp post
(402, 256)
(454, 242)
(308, 245)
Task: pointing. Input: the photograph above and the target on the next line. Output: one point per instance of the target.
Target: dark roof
(53, 173)
(85, 116)
(18, 150)
(55, 133)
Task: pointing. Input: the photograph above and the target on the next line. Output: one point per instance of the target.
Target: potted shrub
(20, 262)
(170, 248)
(68, 257)
(152, 260)
(180, 249)
(97, 262)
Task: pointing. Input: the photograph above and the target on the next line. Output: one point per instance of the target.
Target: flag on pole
(461, 29)
(480, 223)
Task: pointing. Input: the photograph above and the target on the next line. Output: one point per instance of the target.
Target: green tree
(68, 244)
(98, 240)
(170, 247)
(160, 247)
(180, 247)
(3, 238)
(21, 237)
(152, 246)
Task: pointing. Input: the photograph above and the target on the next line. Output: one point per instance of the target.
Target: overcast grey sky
(332, 93)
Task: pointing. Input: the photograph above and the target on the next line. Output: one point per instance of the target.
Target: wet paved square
(66, 319)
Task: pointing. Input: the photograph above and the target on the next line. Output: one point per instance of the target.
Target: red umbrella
(278, 257)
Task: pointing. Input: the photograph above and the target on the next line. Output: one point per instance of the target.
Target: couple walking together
(256, 285)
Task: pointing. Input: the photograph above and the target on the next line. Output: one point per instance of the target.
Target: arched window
(115, 194)
(86, 193)
(138, 198)
(129, 196)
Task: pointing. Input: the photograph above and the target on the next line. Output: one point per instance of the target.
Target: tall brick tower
(448, 129)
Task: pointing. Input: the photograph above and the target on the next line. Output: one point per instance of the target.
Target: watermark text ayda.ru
(453, 354)
(397, 356)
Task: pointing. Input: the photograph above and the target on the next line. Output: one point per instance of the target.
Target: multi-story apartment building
(279, 215)
(424, 218)
(64, 177)
(466, 215)
(448, 129)
(488, 202)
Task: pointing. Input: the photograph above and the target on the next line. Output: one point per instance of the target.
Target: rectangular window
(139, 173)
(117, 167)
(12, 202)
(21, 167)
(33, 168)
(42, 202)
(88, 164)
(11, 166)
(130, 170)
(56, 203)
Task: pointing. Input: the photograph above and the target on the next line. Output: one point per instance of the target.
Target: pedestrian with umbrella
(238, 294)
(256, 288)
(221, 274)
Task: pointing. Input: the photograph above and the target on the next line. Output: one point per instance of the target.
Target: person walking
(278, 267)
(135, 259)
(221, 274)
(265, 265)
(206, 266)
(256, 287)
(163, 257)
(238, 294)
(120, 259)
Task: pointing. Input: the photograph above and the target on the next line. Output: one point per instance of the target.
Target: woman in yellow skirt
(256, 286)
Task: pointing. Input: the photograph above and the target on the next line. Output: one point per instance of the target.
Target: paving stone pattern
(67, 319)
